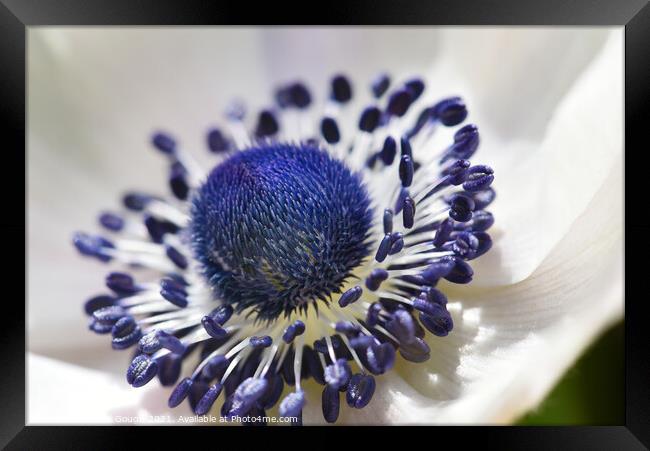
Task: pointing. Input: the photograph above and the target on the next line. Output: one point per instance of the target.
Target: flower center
(280, 226)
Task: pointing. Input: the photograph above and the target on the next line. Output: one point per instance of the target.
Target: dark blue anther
(111, 221)
(388, 151)
(372, 315)
(461, 207)
(465, 245)
(338, 373)
(206, 402)
(451, 111)
(360, 390)
(399, 204)
(415, 87)
(380, 85)
(217, 142)
(99, 328)
(178, 279)
(176, 296)
(443, 232)
(424, 118)
(350, 296)
(169, 369)
(273, 393)
(121, 283)
(375, 279)
(283, 97)
(405, 146)
(422, 304)
(320, 345)
(479, 178)
(164, 143)
(261, 342)
(293, 330)
(213, 328)
(157, 228)
(384, 248)
(396, 243)
(330, 403)
(136, 201)
(178, 181)
(369, 119)
(158, 339)
(330, 130)
(408, 215)
(171, 284)
(484, 245)
(215, 367)
(406, 170)
(298, 95)
(431, 294)
(180, 392)
(456, 173)
(92, 246)
(176, 257)
(483, 198)
(466, 141)
(197, 390)
(292, 404)
(380, 357)
(401, 325)
(341, 89)
(141, 370)
(438, 321)
(388, 221)
(437, 269)
(222, 314)
(416, 351)
(108, 316)
(267, 124)
(311, 365)
(461, 273)
(361, 342)
(246, 394)
(399, 102)
(98, 302)
(125, 333)
(348, 328)
(481, 221)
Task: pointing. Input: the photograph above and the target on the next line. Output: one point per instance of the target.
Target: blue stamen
(360, 391)
(164, 143)
(217, 142)
(350, 296)
(330, 130)
(142, 369)
(341, 89)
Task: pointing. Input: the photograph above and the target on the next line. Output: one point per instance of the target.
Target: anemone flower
(386, 226)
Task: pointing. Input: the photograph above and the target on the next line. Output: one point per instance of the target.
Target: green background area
(592, 391)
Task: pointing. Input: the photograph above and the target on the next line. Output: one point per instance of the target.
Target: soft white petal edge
(540, 196)
(61, 393)
(531, 332)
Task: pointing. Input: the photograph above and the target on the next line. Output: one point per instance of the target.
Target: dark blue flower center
(278, 227)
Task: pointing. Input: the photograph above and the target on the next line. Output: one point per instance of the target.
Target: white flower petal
(60, 393)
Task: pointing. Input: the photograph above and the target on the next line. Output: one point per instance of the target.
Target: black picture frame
(17, 15)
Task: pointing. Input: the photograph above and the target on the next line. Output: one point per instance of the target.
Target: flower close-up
(325, 225)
